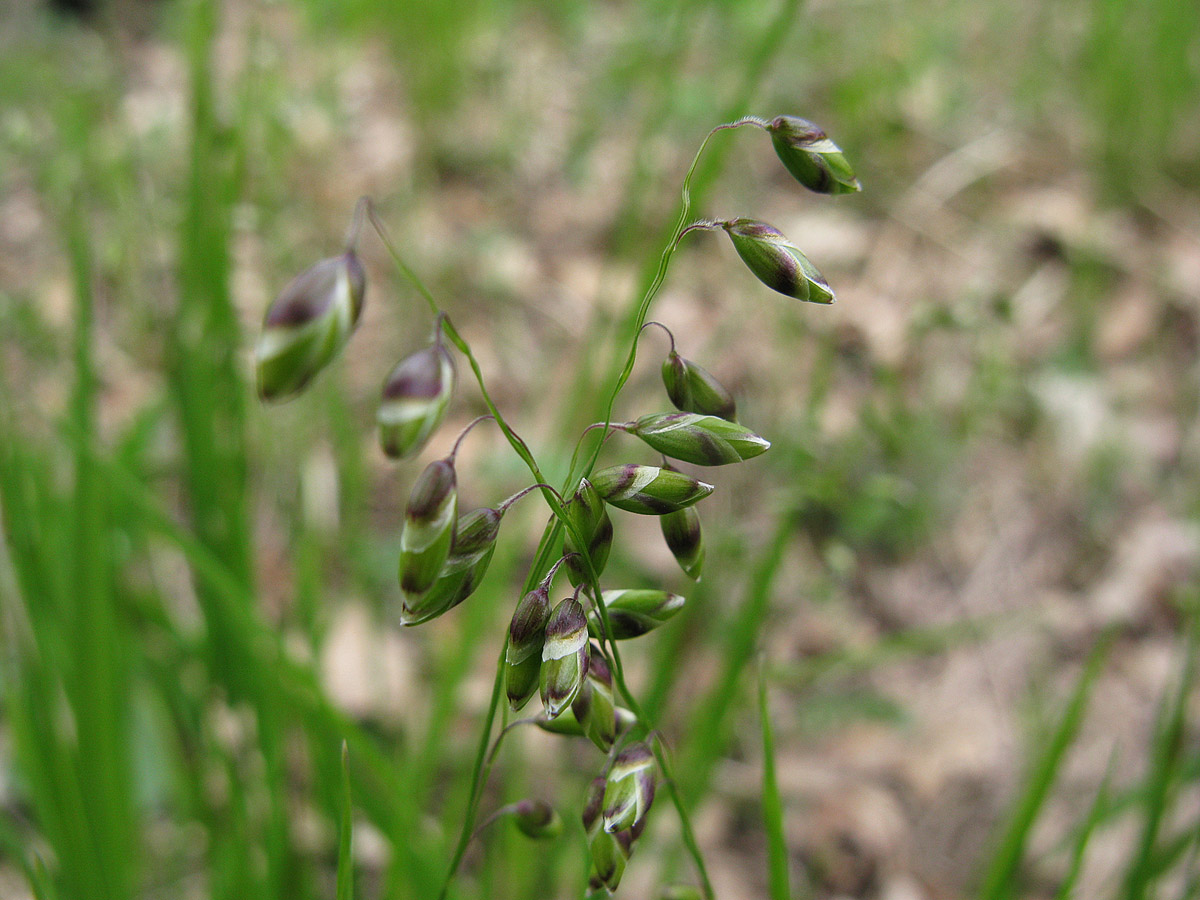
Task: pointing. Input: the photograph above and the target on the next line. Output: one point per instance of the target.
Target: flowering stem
(618, 668)
(485, 759)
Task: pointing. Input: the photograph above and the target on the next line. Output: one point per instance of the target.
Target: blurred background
(968, 562)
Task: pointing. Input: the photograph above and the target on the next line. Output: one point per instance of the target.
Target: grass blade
(345, 865)
(772, 805)
(1166, 753)
(999, 881)
(1094, 815)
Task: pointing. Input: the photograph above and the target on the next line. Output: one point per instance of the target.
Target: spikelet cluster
(564, 651)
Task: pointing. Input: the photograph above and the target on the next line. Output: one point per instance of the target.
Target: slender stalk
(503, 507)
(406, 270)
(463, 434)
(664, 262)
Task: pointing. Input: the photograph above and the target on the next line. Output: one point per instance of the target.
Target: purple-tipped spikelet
(589, 515)
(703, 440)
(610, 852)
(777, 262)
(307, 324)
(630, 788)
(648, 490)
(685, 539)
(470, 553)
(415, 397)
(634, 612)
(812, 158)
(564, 657)
(692, 389)
(537, 819)
(429, 527)
(593, 707)
(526, 639)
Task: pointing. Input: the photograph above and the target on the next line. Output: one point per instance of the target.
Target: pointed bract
(416, 395)
(634, 612)
(812, 158)
(702, 440)
(308, 324)
(648, 490)
(777, 262)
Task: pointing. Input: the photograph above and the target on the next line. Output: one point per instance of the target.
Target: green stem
(381, 230)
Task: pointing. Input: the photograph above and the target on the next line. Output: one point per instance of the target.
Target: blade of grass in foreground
(67, 659)
(777, 855)
(98, 686)
(999, 881)
(1094, 815)
(345, 865)
(701, 753)
(1166, 753)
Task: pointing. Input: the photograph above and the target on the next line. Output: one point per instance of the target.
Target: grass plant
(166, 601)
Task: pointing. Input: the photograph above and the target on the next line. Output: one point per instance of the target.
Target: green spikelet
(648, 490)
(526, 639)
(567, 724)
(692, 389)
(610, 852)
(703, 440)
(472, 550)
(416, 395)
(777, 262)
(685, 539)
(630, 788)
(564, 657)
(594, 708)
(537, 819)
(634, 612)
(308, 324)
(429, 528)
(812, 158)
